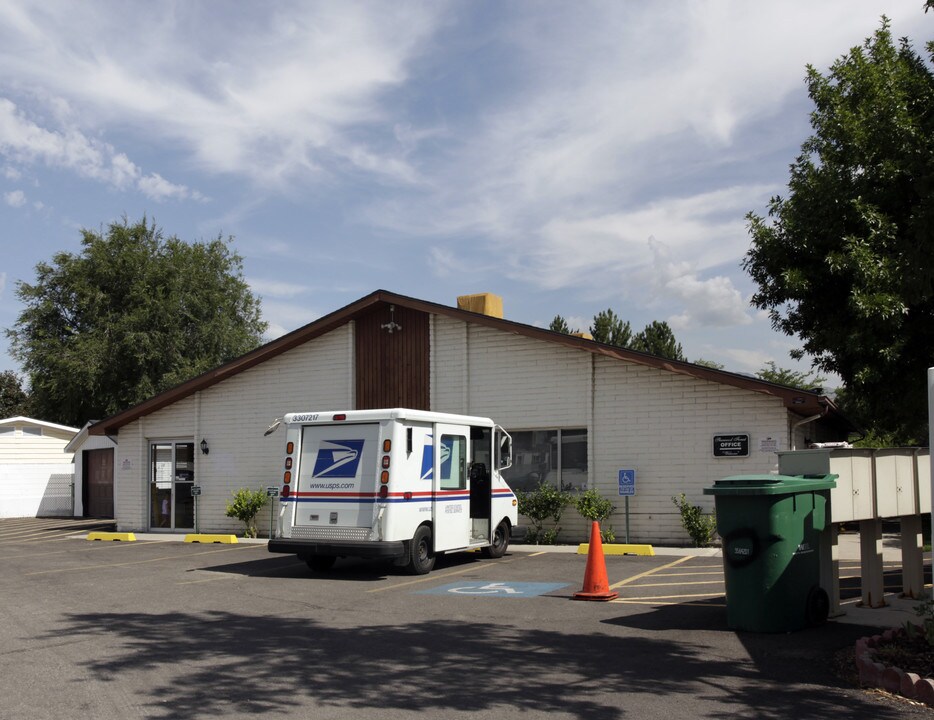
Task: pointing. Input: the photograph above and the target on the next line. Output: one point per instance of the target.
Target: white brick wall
(232, 417)
(659, 423)
(525, 383)
(449, 362)
(662, 425)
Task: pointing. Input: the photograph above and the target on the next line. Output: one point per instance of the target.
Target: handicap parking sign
(627, 482)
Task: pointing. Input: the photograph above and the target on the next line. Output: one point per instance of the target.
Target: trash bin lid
(771, 484)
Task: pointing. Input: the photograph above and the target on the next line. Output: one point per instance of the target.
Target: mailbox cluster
(871, 484)
(890, 483)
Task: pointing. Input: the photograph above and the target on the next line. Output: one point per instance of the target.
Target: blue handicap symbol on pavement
(487, 588)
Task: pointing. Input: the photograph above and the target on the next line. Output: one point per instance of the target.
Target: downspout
(807, 420)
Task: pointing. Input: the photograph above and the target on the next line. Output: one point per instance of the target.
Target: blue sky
(568, 156)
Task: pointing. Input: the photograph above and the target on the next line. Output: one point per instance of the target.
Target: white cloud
(713, 302)
(442, 261)
(15, 198)
(26, 142)
(276, 288)
(284, 317)
(2, 283)
(269, 94)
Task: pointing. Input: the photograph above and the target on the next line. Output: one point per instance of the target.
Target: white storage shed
(36, 471)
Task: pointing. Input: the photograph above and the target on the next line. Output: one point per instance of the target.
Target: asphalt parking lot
(174, 630)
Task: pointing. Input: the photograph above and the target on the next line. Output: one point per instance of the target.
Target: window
(7, 431)
(557, 457)
(32, 431)
(453, 462)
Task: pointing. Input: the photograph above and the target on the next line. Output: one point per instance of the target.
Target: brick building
(579, 412)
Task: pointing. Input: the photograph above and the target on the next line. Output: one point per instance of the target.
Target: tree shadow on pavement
(226, 664)
(804, 660)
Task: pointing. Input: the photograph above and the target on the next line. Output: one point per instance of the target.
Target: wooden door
(99, 483)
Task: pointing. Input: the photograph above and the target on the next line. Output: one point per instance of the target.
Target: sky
(567, 156)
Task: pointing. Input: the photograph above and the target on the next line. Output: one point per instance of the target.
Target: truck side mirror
(505, 451)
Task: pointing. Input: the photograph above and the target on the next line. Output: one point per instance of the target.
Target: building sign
(733, 445)
(768, 444)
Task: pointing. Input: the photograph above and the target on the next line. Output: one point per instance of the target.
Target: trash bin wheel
(818, 606)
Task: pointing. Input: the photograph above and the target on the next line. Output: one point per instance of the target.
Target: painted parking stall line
(493, 589)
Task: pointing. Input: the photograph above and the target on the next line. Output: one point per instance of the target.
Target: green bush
(594, 507)
(546, 503)
(699, 526)
(245, 506)
(925, 611)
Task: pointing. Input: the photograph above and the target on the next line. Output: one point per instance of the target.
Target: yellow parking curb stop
(122, 537)
(202, 538)
(619, 549)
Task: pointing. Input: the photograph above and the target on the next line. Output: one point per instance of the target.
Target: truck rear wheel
(500, 542)
(421, 556)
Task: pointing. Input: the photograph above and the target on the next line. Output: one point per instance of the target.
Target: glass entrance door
(172, 474)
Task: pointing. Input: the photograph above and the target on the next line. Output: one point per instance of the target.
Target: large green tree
(13, 399)
(658, 339)
(559, 324)
(132, 314)
(844, 261)
(809, 381)
(608, 328)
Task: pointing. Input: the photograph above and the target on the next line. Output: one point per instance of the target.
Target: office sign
(732, 445)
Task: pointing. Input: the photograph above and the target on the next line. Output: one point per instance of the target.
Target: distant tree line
(656, 338)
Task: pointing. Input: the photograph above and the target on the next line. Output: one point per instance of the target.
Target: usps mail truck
(398, 484)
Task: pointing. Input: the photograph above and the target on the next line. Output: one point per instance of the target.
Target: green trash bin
(771, 528)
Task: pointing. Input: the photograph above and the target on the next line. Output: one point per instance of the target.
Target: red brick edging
(895, 680)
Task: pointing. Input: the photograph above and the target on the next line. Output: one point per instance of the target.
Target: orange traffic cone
(596, 584)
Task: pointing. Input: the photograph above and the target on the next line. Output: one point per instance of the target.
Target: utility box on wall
(853, 498)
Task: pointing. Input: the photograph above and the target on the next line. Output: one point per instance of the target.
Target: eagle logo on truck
(338, 459)
(428, 458)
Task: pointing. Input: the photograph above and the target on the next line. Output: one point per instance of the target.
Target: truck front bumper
(341, 548)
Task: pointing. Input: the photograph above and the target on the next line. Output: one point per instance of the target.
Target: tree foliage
(658, 339)
(132, 314)
(607, 328)
(559, 324)
(843, 261)
(792, 378)
(13, 399)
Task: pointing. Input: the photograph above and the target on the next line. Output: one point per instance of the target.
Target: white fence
(39, 490)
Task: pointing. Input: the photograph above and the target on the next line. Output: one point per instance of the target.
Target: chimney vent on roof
(483, 303)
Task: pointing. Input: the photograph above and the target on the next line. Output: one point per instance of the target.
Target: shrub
(543, 504)
(925, 611)
(594, 507)
(699, 526)
(245, 506)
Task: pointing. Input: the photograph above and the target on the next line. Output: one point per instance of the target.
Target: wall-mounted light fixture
(204, 447)
(392, 326)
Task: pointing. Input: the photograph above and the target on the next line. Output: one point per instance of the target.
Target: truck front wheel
(497, 548)
(421, 556)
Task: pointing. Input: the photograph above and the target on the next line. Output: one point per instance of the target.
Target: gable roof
(21, 420)
(801, 402)
(81, 437)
